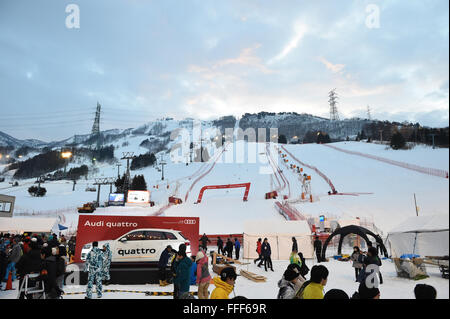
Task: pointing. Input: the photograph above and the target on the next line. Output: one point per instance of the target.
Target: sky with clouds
(144, 60)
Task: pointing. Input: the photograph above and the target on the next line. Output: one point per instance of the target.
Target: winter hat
(290, 274)
(336, 294)
(367, 293)
(199, 256)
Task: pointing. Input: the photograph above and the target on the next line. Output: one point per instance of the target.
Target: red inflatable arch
(246, 185)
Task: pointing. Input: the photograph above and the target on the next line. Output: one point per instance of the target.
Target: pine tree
(397, 141)
(139, 183)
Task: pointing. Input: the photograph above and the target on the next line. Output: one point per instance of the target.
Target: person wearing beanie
(288, 284)
(224, 283)
(203, 276)
(423, 291)
(336, 294)
(368, 293)
(301, 279)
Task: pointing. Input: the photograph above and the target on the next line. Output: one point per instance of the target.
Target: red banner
(98, 228)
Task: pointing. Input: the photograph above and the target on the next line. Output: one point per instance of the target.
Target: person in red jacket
(258, 250)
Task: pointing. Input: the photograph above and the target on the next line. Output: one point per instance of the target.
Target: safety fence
(313, 168)
(413, 167)
(289, 212)
(205, 173)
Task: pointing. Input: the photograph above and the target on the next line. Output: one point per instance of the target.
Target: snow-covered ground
(341, 277)
(223, 212)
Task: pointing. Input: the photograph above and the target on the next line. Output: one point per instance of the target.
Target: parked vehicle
(141, 245)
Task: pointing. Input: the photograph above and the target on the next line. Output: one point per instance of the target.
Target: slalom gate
(417, 168)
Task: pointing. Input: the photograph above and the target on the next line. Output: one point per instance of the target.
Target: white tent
(20, 225)
(420, 235)
(279, 234)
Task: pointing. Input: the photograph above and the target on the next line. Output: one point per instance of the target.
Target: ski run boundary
(413, 167)
(313, 168)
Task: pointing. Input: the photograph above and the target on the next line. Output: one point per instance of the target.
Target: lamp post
(66, 156)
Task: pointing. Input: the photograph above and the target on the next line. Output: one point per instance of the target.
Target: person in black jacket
(229, 248)
(52, 271)
(294, 244)
(266, 252)
(162, 264)
(318, 249)
(205, 242)
(29, 263)
(303, 269)
(220, 249)
(71, 245)
(370, 259)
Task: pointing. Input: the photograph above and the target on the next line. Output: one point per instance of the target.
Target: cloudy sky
(144, 60)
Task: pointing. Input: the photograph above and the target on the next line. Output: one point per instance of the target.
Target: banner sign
(98, 228)
(116, 200)
(138, 197)
(7, 205)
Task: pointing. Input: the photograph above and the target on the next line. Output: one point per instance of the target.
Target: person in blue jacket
(193, 272)
(182, 272)
(237, 247)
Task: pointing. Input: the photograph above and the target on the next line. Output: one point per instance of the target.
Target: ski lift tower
(162, 163)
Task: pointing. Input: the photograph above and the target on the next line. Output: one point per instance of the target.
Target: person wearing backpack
(203, 276)
(371, 259)
(304, 269)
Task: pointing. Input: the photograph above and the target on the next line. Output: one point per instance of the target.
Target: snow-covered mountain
(293, 124)
(8, 140)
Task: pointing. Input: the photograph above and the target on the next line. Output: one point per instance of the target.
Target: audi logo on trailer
(189, 221)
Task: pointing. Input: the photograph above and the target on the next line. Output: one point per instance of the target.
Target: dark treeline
(142, 160)
(410, 132)
(76, 172)
(103, 154)
(38, 165)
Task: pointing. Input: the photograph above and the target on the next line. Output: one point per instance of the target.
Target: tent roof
(26, 224)
(422, 224)
(277, 227)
